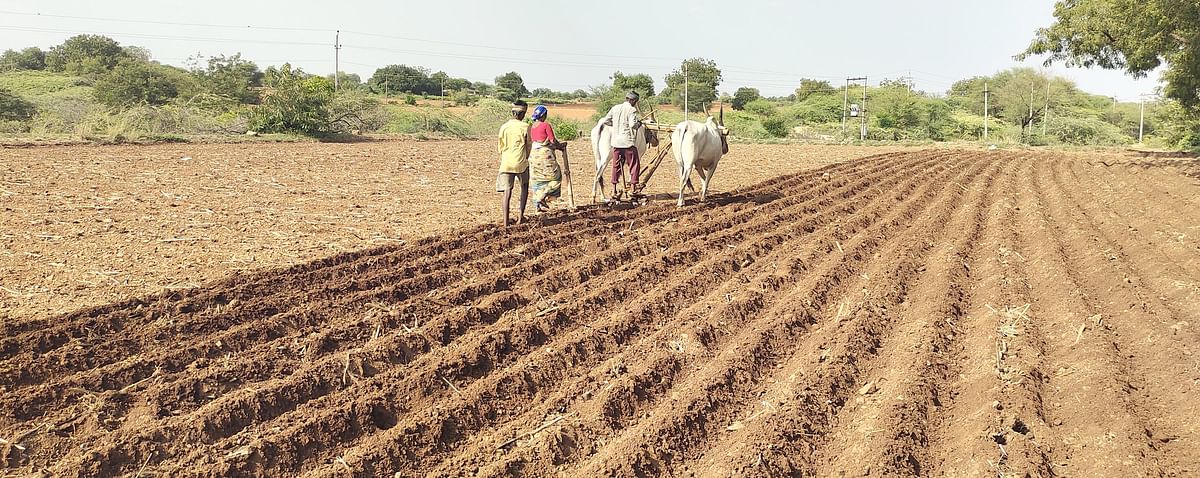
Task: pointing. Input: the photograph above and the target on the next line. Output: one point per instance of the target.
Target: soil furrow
(698, 330)
(1164, 396)
(581, 348)
(332, 369)
(793, 413)
(679, 429)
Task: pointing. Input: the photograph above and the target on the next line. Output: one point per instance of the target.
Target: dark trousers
(622, 156)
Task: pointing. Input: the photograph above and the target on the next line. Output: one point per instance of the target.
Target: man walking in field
(623, 118)
(514, 147)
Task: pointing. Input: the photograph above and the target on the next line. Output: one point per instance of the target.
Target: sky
(767, 44)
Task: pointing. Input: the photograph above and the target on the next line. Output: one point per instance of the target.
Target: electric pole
(443, 92)
(845, 104)
(862, 128)
(337, 58)
(1141, 119)
(862, 114)
(1030, 128)
(985, 111)
(1046, 113)
(685, 91)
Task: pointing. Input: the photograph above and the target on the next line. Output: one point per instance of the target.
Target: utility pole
(845, 105)
(1046, 113)
(985, 111)
(1141, 119)
(685, 91)
(862, 128)
(337, 58)
(862, 114)
(443, 92)
(1030, 132)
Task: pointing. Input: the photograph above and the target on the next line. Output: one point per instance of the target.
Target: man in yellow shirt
(514, 150)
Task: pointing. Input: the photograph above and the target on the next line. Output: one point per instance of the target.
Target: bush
(297, 104)
(14, 108)
(1086, 131)
(760, 107)
(410, 100)
(565, 129)
(32, 58)
(464, 98)
(743, 96)
(85, 55)
(776, 126)
(134, 82)
(357, 111)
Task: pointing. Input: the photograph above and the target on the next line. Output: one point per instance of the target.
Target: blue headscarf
(539, 113)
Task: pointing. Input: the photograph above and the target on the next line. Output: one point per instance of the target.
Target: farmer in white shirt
(624, 120)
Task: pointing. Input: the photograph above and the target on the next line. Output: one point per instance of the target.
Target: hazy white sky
(767, 44)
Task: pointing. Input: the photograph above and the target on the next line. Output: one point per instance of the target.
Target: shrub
(86, 55)
(776, 126)
(410, 100)
(760, 107)
(565, 129)
(464, 98)
(134, 82)
(1086, 131)
(14, 108)
(297, 104)
(743, 96)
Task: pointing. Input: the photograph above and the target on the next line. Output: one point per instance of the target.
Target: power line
(155, 22)
(159, 37)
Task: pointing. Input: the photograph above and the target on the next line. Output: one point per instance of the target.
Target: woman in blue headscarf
(545, 176)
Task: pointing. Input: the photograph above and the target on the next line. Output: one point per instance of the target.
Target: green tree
(809, 87)
(14, 108)
(231, 77)
(506, 94)
(32, 58)
(394, 79)
(85, 55)
(513, 82)
(347, 81)
(133, 82)
(1132, 35)
(703, 78)
(642, 83)
(742, 96)
(296, 103)
(621, 85)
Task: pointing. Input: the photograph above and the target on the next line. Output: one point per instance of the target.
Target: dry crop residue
(939, 313)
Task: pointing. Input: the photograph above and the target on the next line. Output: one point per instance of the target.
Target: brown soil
(936, 313)
(84, 226)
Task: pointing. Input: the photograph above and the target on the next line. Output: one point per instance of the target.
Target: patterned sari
(545, 180)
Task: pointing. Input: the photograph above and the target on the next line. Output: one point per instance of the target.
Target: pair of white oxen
(695, 145)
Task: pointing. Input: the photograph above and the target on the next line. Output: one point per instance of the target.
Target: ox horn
(721, 118)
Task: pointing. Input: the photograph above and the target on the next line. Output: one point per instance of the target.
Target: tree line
(1024, 105)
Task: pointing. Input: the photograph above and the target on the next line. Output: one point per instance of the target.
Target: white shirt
(623, 117)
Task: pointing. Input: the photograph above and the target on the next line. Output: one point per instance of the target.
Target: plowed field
(938, 313)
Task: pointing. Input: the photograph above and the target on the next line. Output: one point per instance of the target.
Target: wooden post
(566, 174)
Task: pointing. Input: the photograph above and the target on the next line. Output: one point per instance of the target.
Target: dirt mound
(932, 313)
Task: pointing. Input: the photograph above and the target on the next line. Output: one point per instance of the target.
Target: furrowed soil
(927, 313)
(85, 226)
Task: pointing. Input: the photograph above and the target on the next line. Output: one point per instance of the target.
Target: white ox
(602, 151)
(698, 146)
